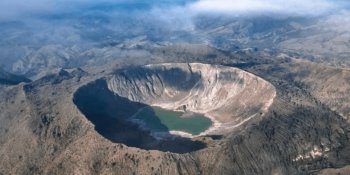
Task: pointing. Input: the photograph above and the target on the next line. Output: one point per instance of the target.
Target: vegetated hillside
(43, 132)
(328, 85)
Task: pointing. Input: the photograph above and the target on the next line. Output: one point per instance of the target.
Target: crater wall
(228, 95)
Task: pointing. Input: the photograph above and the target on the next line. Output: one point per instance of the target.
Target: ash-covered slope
(229, 95)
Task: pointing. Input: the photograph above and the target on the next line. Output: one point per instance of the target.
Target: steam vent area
(173, 107)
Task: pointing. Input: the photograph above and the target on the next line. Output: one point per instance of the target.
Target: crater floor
(161, 120)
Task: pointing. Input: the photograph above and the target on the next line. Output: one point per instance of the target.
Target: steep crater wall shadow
(110, 113)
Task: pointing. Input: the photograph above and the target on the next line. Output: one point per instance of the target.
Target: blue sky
(301, 7)
(12, 9)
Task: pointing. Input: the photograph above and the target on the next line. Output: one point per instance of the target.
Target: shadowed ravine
(109, 113)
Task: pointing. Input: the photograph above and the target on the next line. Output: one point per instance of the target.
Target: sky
(15, 9)
(300, 7)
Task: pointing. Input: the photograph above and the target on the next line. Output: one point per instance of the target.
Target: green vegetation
(160, 120)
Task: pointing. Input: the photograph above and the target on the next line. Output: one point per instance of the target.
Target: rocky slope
(44, 132)
(329, 85)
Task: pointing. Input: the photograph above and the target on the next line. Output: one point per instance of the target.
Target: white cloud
(17, 9)
(11, 8)
(250, 6)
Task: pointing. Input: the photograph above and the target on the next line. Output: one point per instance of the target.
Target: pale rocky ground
(43, 131)
(340, 171)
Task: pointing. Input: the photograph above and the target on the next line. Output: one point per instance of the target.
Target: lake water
(162, 120)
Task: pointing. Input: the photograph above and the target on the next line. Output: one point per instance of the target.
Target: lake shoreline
(215, 125)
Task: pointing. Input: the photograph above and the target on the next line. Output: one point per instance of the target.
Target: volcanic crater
(228, 96)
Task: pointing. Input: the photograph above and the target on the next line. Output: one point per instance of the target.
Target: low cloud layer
(17, 9)
(298, 7)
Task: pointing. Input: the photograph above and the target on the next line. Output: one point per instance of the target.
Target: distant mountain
(11, 79)
(314, 37)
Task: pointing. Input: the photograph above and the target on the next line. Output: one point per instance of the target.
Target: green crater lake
(162, 120)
